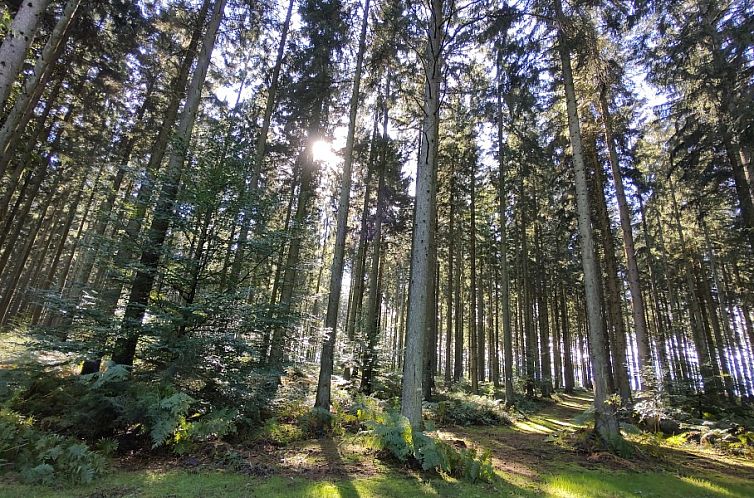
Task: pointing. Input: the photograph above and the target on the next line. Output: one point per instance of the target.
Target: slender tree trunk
(568, 381)
(458, 309)
(449, 285)
(127, 247)
(357, 278)
(260, 149)
(704, 358)
(504, 271)
(543, 319)
(373, 299)
(473, 328)
(336, 273)
(634, 283)
(613, 292)
(125, 347)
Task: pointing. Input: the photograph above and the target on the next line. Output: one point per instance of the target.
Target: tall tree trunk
(260, 150)
(704, 358)
(450, 285)
(458, 308)
(543, 319)
(127, 247)
(613, 289)
(336, 272)
(473, 311)
(18, 116)
(568, 381)
(422, 267)
(504, 271)
(634, 283)
(606, 423)
(357, 277)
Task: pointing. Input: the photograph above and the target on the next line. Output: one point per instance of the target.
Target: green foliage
(366, 409)
(111, 403)
(395, 436)
(280, 433)
(45, 458)
(467, 410)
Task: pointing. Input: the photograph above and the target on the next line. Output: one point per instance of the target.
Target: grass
(569, 482)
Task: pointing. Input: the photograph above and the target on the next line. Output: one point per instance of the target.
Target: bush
(112, 403)
(45, 458)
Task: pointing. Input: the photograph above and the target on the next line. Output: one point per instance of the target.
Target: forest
(376, 248)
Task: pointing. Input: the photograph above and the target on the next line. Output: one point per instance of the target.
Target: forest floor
(530, 459)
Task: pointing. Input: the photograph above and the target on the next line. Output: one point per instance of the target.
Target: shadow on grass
(335, 463)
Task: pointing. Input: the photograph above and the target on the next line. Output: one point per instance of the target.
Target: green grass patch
(578, 482)
(568, 482)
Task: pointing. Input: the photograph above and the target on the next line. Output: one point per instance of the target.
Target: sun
(322, 151)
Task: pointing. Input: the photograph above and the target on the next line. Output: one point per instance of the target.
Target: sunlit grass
(579, 483)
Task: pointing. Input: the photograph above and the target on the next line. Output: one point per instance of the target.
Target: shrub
(45, 458)
(394, 435)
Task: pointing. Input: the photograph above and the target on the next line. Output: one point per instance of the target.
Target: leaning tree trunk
(605, 422)
(634, 283)
(17, 42)
(125, 346)
(16, 119)
(125, 252)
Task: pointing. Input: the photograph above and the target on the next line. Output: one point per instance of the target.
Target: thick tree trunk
(17, 42)
(18, 116)
(422, 267)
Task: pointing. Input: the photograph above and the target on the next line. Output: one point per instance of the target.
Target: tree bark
(17, 42)
(422, 266)
(16, 119)
(634, 282)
